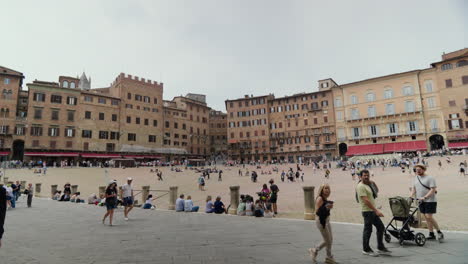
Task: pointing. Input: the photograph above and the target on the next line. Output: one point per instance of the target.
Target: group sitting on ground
(185, 205)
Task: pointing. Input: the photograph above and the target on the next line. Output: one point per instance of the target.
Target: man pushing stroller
(425, 190)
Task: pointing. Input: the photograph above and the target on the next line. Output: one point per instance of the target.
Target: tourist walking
(127, 197)
(30, 193)
(462, 169)
(220, 175)
(424, 189)
(201, 183)
(111, 201)
(16, 190)
(322, 210)
(371, 216)
(3, 208)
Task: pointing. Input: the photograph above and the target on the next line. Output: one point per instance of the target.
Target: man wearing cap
(127, 197)
(424, 189)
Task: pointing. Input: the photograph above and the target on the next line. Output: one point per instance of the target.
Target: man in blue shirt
(180, 203)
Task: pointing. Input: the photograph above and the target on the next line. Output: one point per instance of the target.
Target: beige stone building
(293, 128)
(248, 128)
(218, 133)
(12, 115)
(452, 82)
(403, 112)
(53, 121)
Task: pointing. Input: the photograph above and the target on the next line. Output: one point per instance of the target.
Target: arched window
(370, 97)
(407, 90)
(388, 93)
(72, 85)
(462, 63)
(65, 84)
(446, 66)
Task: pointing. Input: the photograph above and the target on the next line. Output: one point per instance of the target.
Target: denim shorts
(127, 201)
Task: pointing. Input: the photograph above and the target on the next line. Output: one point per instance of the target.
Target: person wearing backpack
(424, 188)
(371, 215)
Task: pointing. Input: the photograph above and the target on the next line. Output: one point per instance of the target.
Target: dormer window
(65, 84)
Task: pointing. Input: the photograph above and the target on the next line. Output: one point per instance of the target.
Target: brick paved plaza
(53, 232)
(452, 195)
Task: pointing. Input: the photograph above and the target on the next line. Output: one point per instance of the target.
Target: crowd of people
(424, 189)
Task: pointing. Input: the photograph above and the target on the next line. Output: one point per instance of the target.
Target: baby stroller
(403, 212)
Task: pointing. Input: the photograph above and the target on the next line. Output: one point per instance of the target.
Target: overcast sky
(226, 49)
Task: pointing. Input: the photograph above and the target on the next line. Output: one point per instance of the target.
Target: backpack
(374, 192)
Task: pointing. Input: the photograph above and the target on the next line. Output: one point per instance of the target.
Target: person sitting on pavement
(259, 212)
(188, 205)
(75, 198)
(219, 207)
(180, 203)
(209, 208)
(242, 206)
(93, 199)
(57, 195)
(268, 212)
(249, 206)
(149, 202)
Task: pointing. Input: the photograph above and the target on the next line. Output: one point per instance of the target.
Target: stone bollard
(74, 189)
(23, 186)
(102, 191)
(53, 189)
(309, 203)
(144, 193)
(37, 189)
(234, 199)
(172, 197)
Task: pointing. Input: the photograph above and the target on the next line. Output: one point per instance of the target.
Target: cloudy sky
(226, 49)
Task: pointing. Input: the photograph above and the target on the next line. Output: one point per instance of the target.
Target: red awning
(100, 155)
(52, 154)
(451, 145)
(365, 149)
(405, 146)
(4, 153)
(142, 156)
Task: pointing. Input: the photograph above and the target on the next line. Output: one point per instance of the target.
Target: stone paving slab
(53, 232)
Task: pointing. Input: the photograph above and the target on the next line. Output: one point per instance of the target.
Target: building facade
(12, 104)
(452, 82)
(218, 133)
(410, 111)
(295, 128)
(128, 119)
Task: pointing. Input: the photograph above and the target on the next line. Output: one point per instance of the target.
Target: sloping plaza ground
(52, 232)
(452, 211)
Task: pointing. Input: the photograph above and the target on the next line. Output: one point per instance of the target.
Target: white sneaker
(313, 253)
(370, 253)
(126, 218)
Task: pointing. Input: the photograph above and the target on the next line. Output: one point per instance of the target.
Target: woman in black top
(322, 210)
(3, 208)
(111, 200)
(66, 192)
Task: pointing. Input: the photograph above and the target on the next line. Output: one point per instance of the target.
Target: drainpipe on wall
(422, 109)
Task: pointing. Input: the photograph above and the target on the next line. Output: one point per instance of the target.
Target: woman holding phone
(111, 201)
(322, 210)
